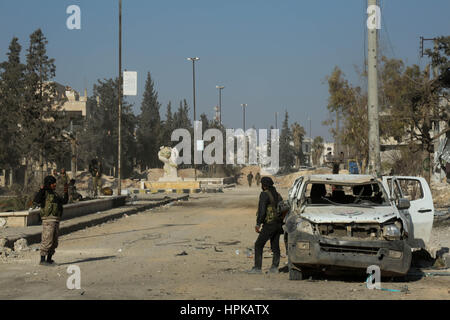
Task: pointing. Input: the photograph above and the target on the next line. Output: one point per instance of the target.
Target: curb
(102, 217)
(154, 191)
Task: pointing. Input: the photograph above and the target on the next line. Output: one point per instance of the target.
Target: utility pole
(435, 128)
(119, 185)
(374, 130)
(336, 138)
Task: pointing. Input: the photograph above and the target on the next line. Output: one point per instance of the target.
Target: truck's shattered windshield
(345, 195)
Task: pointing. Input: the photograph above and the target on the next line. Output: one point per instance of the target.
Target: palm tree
(317, 149)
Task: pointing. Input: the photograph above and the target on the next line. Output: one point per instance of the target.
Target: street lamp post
(193, 90)
(220, 103)
(244, 105)
(193, 81)
(276, 120)
(243, 110)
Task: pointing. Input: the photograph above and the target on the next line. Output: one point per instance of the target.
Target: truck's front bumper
(310, 251)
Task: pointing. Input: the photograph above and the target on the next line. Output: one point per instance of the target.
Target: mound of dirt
(189, 173)
(242, 179)
(286, 181)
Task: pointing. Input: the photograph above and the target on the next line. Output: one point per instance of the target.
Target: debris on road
(217, 250)
(21, 245)
(184, 253)
(231, 243)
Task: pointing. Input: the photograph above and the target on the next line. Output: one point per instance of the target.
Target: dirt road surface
(188, 250)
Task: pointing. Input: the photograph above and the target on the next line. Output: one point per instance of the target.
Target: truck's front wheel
(294, 272)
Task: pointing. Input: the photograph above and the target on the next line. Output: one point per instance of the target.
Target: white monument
(168, 156)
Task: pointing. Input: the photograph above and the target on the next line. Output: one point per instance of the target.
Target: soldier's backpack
(276, 211)
(50, 207)
(107, 191)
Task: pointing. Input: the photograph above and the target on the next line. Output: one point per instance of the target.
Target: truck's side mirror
(403, 203)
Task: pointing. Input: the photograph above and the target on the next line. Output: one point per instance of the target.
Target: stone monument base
(170, 179)
(172, 185)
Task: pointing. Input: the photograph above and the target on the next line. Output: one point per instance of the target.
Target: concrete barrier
(78, 209)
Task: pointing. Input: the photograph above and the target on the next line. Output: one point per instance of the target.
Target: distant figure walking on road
(257, 179)
(51, 204)
(250, 179)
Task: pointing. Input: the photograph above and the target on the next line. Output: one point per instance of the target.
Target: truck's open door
(417, 191)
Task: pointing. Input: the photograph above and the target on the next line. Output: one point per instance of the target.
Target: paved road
(188, 250)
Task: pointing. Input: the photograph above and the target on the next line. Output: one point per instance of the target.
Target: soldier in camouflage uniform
(95, 168)
(62, 181)
(51, 204)
(272, 225)
(73, 194)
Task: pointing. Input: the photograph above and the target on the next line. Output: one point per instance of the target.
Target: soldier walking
(51, 204)
(272, 226)
(250, 179)
(257, 179)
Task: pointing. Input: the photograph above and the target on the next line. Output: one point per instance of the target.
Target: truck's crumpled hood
(343, 214)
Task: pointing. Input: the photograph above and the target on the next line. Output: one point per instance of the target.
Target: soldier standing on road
(62, 181)
(250, 178)
(95, 168)
(272, 226)
(51, 204)
(257, 179)
(73, 194)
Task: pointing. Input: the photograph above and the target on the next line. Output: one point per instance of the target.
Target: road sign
(129, 83)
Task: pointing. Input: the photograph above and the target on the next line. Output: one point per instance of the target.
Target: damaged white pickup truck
(349, 222)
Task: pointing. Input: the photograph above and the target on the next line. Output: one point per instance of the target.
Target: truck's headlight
(391, 232)
(305, 226)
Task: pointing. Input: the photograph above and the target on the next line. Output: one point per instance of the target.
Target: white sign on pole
(129, 83)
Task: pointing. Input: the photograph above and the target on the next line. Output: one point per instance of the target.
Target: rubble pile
(441, 195)
(154, 174)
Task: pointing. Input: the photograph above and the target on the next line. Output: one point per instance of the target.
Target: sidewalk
(33, 233)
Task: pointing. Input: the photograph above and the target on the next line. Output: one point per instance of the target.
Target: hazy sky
(271, 55)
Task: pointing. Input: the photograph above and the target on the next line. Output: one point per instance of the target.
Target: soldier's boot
(254, 270)
(42, 262)
(49, 259)
(275, 263)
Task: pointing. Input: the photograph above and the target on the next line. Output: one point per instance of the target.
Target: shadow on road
(134, 230)
(87, 260)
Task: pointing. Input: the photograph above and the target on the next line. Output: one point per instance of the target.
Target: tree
(41, 122)
(298, 133)
(317, 150)
(181, 117)
(167, 127)
(100, 136)
(148, 132)
(286, 149)
(11, 102)
(414, 103)
(351, 104)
